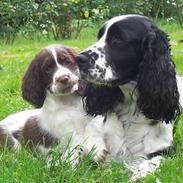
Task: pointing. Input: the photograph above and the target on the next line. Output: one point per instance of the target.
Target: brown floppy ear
(72, 52)
(33, 86)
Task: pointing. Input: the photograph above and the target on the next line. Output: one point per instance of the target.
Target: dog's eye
(116, 42)
(66, 62)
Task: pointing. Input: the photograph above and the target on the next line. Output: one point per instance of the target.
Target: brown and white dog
(51, 82)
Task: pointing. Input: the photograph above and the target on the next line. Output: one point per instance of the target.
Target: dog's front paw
(145, 168)
(97, 148)
(71, 155)
(74, 155)
(100, 155)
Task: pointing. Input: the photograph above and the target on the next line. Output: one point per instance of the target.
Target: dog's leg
(95, 139)
(75, 151)
(87, 140)
(8, 140)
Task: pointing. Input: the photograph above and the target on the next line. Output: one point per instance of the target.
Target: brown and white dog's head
(53, 69)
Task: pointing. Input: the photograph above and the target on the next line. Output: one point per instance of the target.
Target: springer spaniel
(51, 82)
(135, 84)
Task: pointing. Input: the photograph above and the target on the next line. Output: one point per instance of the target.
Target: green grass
(26, 167)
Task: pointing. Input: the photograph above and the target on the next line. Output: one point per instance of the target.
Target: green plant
(63, 19)
(13, 15)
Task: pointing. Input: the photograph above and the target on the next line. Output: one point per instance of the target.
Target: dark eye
(116, 42)
(66, 62)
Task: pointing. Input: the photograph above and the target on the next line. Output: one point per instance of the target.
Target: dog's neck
(129, 90)
(61, 102)
(59, 112)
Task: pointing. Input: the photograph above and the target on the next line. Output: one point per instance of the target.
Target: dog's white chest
(130, 134)
(66, 117)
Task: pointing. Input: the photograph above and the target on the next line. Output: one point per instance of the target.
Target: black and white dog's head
(118, 51)
(132, 48)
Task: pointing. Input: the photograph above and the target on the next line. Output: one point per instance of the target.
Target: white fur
(67, 115)
(144, 168)
(130, 134)
(16, 121)
(180, 88)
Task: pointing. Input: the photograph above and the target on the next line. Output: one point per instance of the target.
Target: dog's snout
(82, 60)
(63, 79)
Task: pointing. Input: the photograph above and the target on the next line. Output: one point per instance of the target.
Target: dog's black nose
(82, 60)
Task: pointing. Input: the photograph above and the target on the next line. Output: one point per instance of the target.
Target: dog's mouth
(60, 90)
(68, 89)
(82, 85)
(114, 82)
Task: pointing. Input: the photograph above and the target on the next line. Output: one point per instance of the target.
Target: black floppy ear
(157, 85)
(100, 100)
(33, 86)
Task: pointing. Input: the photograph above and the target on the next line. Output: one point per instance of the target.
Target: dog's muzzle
(92, 71)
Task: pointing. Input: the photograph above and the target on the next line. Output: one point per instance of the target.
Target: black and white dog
(138, 88)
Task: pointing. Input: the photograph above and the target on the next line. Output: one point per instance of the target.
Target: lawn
(28, 167)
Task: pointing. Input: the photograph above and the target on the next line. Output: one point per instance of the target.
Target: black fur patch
(164, 152)
(100, 100)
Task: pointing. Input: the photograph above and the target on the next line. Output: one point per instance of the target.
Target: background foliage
(66, 18)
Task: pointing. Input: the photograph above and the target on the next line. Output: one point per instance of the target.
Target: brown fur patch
(34, 135)
(82, 87)
(37, 77)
